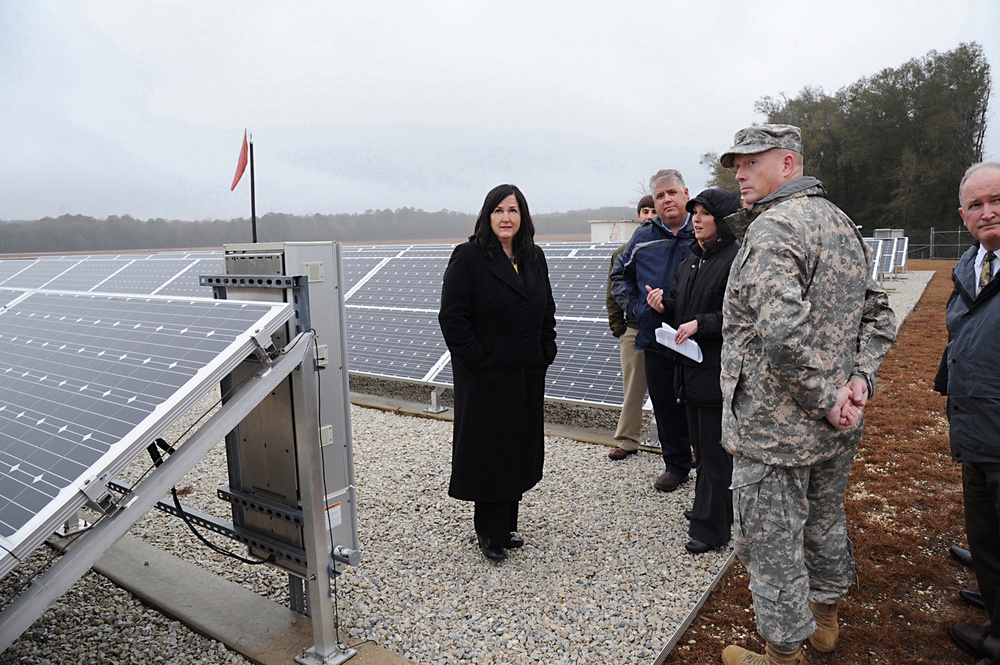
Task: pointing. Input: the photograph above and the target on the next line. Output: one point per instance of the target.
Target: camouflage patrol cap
(761, 138)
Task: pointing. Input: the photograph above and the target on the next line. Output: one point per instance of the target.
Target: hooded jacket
(801, 317)
(697, 294)
(651, 257)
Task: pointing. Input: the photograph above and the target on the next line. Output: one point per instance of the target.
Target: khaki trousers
(629, 431)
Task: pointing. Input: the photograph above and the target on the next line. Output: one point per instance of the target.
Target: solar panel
(85, 275)
(902, 245)
(10, 267)
(588, 367)
(579, 286)
(87, 381)
(393, 343)
(185, 283)
(36, 274)
(140, 276)
(405, 281)
(886, 257)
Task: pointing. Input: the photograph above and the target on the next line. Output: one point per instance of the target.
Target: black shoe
(513, 542)
(964, 557)
(669, 481)
(697, 547)
(969, 639)
(492, 549)
(687, 515)
(973, 598)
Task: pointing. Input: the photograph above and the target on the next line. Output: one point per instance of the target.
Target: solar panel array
(393, 331)
(889, 255)
(88, 378)
(392, 297)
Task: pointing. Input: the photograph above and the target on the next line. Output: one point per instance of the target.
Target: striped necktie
(987, 272)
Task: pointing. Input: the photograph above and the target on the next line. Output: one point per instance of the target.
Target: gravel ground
(603, 578)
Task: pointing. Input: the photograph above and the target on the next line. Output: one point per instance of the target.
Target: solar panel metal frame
(24, 539)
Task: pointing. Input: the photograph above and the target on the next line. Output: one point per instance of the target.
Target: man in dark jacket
(651, 259)
(970, 376)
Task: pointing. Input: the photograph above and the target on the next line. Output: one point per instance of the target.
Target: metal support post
(317, 521)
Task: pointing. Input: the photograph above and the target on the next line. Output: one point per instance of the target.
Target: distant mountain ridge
(79, 233)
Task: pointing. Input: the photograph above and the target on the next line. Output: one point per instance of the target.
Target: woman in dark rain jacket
(694, 308)
(498, 319)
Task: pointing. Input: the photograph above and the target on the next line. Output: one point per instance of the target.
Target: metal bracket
(98, 496)
(290, 556)
(261, 505)
(310, 657)
(251, 281)
(435, 406)
(297, 284)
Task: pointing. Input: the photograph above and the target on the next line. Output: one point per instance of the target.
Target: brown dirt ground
(904, 509)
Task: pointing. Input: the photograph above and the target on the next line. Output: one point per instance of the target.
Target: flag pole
(253, 197)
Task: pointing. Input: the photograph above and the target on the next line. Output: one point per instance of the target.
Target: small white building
(618, 230)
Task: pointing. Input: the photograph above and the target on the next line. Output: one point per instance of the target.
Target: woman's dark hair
(524, 241)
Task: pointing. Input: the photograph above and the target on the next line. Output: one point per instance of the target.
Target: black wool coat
(500, 328)
(697, 294)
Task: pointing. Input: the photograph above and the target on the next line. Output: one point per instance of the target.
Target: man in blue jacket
(970, 376)
(649, 261)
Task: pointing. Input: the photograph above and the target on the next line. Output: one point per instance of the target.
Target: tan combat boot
(824, 639)
(734, 655)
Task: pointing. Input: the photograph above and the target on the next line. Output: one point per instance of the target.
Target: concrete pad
(256, 627)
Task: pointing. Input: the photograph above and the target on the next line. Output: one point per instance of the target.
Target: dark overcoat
(500, 327)
(697, 294)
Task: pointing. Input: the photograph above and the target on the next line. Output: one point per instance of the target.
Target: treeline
(79, 233)
(891, 148)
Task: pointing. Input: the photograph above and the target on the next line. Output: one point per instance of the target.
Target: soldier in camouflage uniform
(805, 330)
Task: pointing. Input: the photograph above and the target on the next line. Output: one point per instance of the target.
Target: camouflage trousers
(790, 532)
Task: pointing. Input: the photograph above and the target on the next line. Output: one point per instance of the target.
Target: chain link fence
(950, 244)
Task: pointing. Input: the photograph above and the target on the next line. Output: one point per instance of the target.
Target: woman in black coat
(498, 320)
(695, 310)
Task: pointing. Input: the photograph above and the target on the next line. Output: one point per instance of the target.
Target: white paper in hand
(665, 336)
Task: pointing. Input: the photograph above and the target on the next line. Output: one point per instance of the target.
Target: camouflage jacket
(801, 316)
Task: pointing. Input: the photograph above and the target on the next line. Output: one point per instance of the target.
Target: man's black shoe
(973, 598)
(968, 639)
(964, 557)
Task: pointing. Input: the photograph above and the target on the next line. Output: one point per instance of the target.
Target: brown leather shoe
(621, 453)
(669, 481)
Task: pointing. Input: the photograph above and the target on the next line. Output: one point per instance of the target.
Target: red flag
(241, 165)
